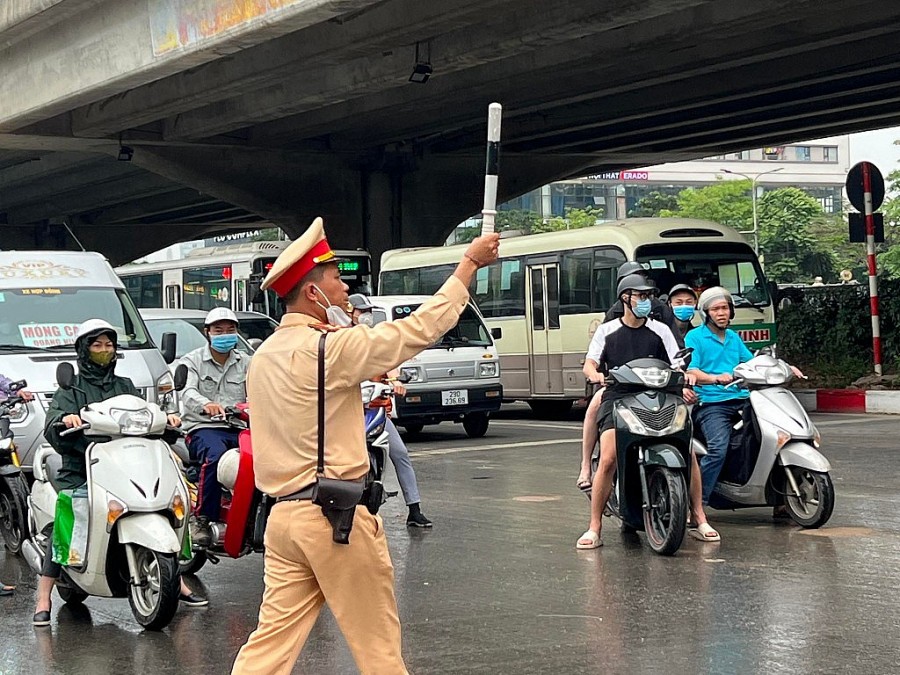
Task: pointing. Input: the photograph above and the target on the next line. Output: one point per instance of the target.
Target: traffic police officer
(304, 567)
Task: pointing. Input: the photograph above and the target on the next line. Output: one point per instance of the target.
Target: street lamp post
(753, 179)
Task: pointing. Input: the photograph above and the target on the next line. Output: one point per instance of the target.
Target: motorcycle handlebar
(73, 430)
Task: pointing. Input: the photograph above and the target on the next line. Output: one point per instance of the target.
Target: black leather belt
(305, 493)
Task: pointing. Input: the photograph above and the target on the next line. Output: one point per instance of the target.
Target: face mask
(334, 314)
(223, 343)
(102, 358)
(642, 308)
(683, 312)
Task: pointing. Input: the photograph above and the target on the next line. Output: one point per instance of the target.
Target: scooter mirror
(181, 373)
(17, 386)
(65, 375)
(404, 378)
(169, 341)
(684, 355)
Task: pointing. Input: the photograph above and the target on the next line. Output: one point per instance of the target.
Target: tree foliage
(790, 222)
(653, 204)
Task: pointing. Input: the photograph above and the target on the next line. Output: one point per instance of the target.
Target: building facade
(816, 167)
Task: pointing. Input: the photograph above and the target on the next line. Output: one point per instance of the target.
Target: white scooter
(778, 461)
(137, 504)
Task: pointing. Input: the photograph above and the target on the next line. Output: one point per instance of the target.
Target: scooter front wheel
(154, 592)
(13, 512)
(665, 519)
(813, 506)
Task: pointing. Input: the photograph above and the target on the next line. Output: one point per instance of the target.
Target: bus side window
(500, 288)
(606, 262)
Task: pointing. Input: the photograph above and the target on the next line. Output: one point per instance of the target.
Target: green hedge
(828, 331)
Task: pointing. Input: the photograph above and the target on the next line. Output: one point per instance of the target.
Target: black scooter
(653, 442)
(13, 484)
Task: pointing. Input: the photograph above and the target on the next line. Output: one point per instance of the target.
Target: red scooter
(244, 509)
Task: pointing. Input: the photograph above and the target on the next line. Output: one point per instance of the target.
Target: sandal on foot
(583, 484)
(589, 540)
(41, 618)
(704, 533)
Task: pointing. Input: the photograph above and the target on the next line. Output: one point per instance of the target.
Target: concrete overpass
(246, 111)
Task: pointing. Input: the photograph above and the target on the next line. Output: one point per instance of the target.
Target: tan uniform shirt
(282, 391)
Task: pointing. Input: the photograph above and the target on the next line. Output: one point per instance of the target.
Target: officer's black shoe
(416, 518)
(201, 535)
(193, 600)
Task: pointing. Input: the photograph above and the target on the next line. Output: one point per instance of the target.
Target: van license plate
(455, 397)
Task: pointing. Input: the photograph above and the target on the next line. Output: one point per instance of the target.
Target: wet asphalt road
(498, 587)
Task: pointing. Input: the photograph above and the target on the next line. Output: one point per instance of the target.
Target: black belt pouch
(338, 499)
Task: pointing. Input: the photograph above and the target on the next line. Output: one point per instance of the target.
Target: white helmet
(220, 314)
(227, 470)
(96, 327)
(711, 295)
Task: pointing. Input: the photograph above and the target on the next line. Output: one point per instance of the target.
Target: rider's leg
(602, 485)
(406, 476)
(698, 516)
(208, 446)
(49, 574)
(589, 436)
(716, 420)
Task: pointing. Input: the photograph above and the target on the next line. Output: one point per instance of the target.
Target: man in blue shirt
(717, 352)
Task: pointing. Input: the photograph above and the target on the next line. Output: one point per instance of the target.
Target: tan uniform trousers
(304, 568)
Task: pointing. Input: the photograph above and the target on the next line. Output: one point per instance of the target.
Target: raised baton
(491, 168)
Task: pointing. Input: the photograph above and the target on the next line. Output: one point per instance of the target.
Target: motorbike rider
(95, 349)
(217, 379)
(397, 450)
(718, 350)
(659, 311)
(5, 392)
(683, 303)
(635, 335)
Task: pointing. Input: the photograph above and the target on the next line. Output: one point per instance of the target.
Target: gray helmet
(711, 295)
(634, 282)
(630, 267)
(679, 288)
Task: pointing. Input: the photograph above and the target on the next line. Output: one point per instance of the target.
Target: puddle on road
(839, 532)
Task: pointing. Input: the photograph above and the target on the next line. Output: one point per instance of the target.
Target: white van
(44, 296)
(456, 379)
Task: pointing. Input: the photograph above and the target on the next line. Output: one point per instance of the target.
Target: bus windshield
(44, 318)
(702, 265)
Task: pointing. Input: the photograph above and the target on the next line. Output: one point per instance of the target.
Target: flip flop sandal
(584, 485)
(704, 533)
(7, 590)
(594, 541)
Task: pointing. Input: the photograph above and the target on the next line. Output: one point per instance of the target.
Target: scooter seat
(52, 467)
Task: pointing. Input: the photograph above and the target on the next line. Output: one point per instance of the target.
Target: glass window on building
(571, 195)
(831, 153)
(802, 153)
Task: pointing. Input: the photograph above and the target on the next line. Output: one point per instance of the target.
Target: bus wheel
(551, 409)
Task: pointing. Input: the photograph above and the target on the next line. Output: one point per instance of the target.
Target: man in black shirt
(633, 336)
(659, 310)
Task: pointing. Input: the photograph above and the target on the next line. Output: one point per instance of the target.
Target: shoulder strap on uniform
(320, 468)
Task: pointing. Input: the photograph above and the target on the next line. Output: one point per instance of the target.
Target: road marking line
(497, 446)
(535, 425)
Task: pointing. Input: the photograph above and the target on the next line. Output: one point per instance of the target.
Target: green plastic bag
(70, 528)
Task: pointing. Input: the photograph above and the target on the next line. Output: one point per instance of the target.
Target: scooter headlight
(634, 425)
(18, 413)
(653, 377)
(375, 431)
(817, 438)
(132, 422)
(6, 443)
